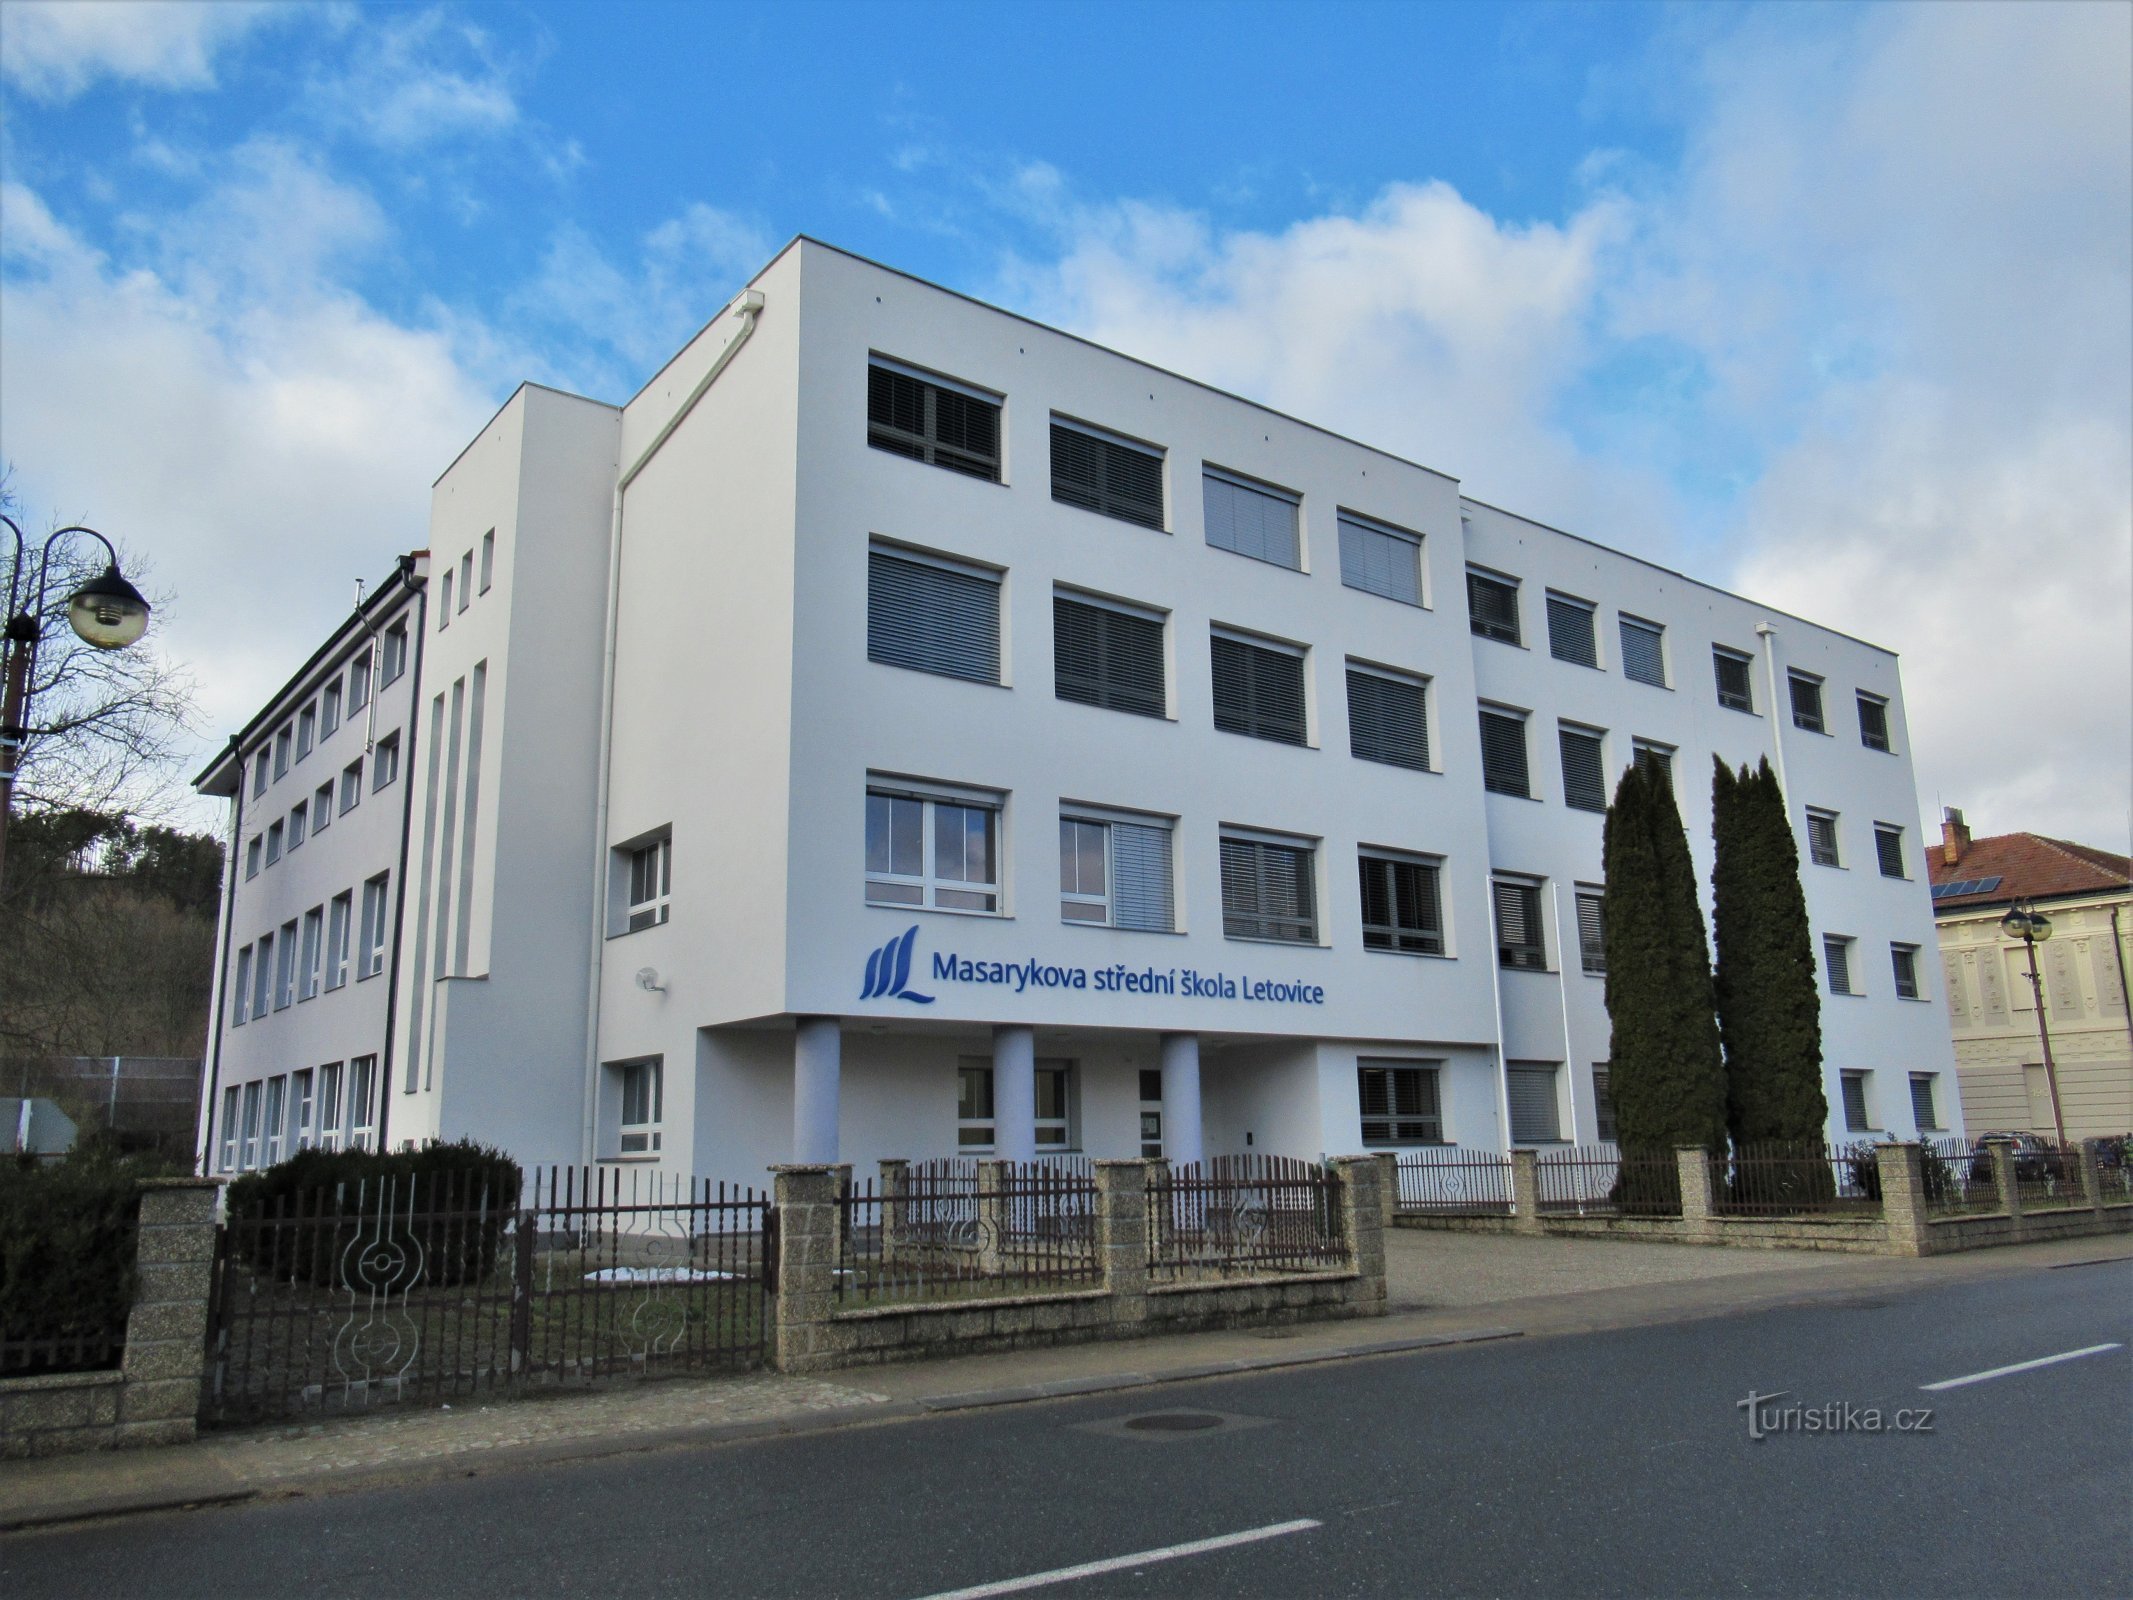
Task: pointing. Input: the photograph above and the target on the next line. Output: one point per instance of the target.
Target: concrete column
(1181, 1099)
(1014, 1093)
(806, 1198)
(1122, 1236)
(817, 1074)
(1692, 1164)
(1389, 1182)
(166, 1331)
(2003, 1174)
(1903, 1199)
(1525, 1191)
(1363, 1226)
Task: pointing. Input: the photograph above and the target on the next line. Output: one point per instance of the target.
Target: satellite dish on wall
(648, 980)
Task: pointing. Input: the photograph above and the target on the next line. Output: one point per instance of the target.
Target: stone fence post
(843, 1172)
(1525, 1191)
(1122, 1235)
(1389, 1183)
(166, 1331)
(895, 1175)
(2009, 1182)
(993, 1218)
(1692, 1165)
(2092, 1173)
(806, 1198)
(1363, 1225)
(1903, 1198)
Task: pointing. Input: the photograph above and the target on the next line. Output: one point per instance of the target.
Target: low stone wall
(154, 1397)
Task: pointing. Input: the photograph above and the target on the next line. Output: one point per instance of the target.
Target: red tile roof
(2029, 866)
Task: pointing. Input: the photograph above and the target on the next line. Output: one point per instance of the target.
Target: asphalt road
(1599, 1464)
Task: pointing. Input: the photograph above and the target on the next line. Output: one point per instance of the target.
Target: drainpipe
(218, 1002)
(1562, 985)
(1768, 635)
(747, 305)
(1503, 1065)
(421, 601)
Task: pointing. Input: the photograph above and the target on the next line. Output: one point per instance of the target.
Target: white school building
(904, 729)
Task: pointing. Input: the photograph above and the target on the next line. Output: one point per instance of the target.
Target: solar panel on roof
(1986, 885)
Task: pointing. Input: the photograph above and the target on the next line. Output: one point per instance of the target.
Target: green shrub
(440, 1209)
(66, 1253)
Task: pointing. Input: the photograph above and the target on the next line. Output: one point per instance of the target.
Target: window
(274, 1116)
(1806, 694)
(1736, 690)
(1116, 874)
(329, 1106)
(488, 560)
(393, 660)
(362, 1115)
(251, 857)
(385, 762)
(933, 615)
(1108, 654)
(285, 967)
(1519, 944)
(1888, 849)
(466, 579)
(651, 883)
(973, 1104)
(1649, 756)
(1584, 772)
(241, 990)
(274, 832)
(251, 1126)
(330, 709)
(1055, 1106)
(359, 683)
(1603, 1103)
(1151, 1115)
(1873, 721)
(370, 948)
(339, 913)
(282, 744)
(259, 775)
(1102, 473)
(1268, 891)
(1571, 635)
(933, 420)
(306, 731)
(1492, 606)
(1592, 931)
(1401, 907)
(1643, 651)
(1252, 518)
(641, 1092)
(1399, 1103)
(263, 977)
(314, 951)
(1381, 560)
(1530, 1087)
(300, 1108)
(322, 807)
(1904, 959)
(229, 1128)
(1923, 1112)
(937, 852)
(351, 785)
(1259, 688)
(1822, 838)
(1837, 957)
(1388, 717)
(444, 609)
(1503, 753)
(298, 820)
(1857, 1119)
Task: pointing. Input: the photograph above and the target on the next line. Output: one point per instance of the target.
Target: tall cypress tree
(1769, 1004)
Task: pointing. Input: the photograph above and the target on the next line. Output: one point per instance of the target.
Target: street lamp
(2025, 922)
(107, 612)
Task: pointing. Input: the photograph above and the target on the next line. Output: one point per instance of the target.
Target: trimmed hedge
(441, 1208)
(67, 1232)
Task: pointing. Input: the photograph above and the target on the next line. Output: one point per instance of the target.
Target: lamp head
(107, 611)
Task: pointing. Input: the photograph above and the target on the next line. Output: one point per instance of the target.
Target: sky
(1831, 305)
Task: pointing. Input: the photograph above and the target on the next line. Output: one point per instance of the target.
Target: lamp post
(2023, 921)
(107, 612)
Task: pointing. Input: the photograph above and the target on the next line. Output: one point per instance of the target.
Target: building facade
(905, 729)
(2087, 896)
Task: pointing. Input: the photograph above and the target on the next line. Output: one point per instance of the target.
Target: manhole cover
(1174, 1422)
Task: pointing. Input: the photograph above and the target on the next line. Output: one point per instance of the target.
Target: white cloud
(422, 79)
(54, 49)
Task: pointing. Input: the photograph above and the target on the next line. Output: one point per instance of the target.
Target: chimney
(1954, 836)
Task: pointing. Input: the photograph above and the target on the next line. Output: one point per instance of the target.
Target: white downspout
(1562, 986)
(1778, 711)
(748, 305)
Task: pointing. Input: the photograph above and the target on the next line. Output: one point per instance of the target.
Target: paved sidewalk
(1447, 1289)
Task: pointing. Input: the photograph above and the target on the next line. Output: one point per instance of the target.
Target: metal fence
(1245, 1214)
(1783, 1178)
(406, 1291)
(1604, 1180)
(1958, 1180)
(2048, 1174)
(959, 1229)
(1450, 1182)
(84, 1352)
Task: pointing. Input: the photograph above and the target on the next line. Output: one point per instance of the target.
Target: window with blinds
(1105, 655)
(1519, 944)
(1584, 774)
(932, 616)
(1806, 695)
(1837, 958)
(1259, 689)
(1106, 475)
(1592, 931)
(1873, 722)
(1399, 1103)
(1570, 631)
(1251, 519)
(1492, 606)
(1822, 838)
(1388, 718)
(1643, 652)
(1116, 874)
(1503, 753)
(1603, 1103)
(1903, 958)
(931, 422)
(1401, 909)
(1888, 849)
(1530, 1087)
(1923, 1112)
(1857, 1118)
(1381, 560)
(1650, 757)
(1736, 691)
(1267, 891)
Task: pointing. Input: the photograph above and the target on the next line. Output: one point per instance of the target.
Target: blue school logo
(889, 969)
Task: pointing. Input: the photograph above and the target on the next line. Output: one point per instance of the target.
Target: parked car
(2036, 1158)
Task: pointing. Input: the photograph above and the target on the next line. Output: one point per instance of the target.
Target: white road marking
(2022, 1366)
(1091, 1569)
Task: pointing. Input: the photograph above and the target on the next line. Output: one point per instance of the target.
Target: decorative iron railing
(962, 1229)
(1782, 1178)
(1607, 1180)
(1243, 1215)
(1448, 1181)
